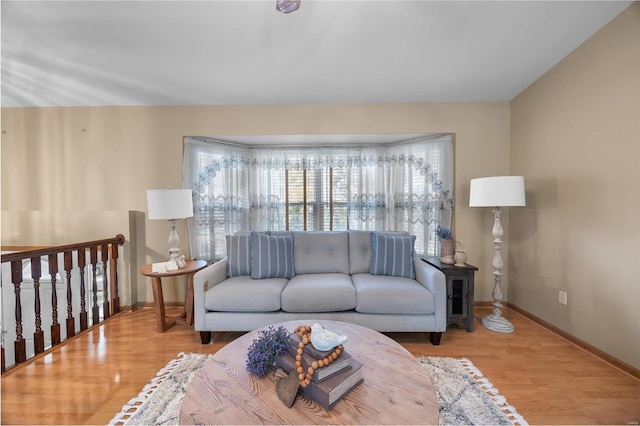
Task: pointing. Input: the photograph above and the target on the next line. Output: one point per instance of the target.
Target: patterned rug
(465, 396)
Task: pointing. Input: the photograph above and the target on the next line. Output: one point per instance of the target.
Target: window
(313, 202)
(403, 186)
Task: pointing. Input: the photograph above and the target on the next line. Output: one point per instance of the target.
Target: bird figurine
(325, 340)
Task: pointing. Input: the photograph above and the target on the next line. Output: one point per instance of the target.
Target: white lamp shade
(169, 203)
(497, 191)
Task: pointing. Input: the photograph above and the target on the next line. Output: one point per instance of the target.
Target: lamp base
(498, 323)
(174, 241)
(174, 254)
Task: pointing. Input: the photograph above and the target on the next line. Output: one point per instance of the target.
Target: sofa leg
(435, 338)
(205, 337)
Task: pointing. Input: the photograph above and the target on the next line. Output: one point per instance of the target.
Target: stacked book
(329, 383)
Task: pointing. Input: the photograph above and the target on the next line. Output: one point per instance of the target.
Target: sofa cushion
(360, 250)
(392, 255)
(244, 294)
(271, 256)
(239, 254)
(319, 293)
(382, 294)
(316, 252)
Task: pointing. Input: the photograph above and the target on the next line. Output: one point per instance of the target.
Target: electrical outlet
(562, 297)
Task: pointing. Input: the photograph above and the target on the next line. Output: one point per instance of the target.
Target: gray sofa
(371, 279)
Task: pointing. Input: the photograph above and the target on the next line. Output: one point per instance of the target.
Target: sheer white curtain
(405, 186)
(219, 178)
(422, 188)
(346, 181)
(367, 198)
(268, 190)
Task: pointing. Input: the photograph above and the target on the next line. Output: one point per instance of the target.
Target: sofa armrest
(203, 280)
(434, 280)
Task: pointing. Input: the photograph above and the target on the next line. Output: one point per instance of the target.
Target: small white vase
(460, 257)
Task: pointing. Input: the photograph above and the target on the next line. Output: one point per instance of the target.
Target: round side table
(186, 318)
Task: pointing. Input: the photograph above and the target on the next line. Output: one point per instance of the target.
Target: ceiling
(93, 53)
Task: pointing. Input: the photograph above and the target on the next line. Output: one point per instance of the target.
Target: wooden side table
(460, 288)
(186, 318)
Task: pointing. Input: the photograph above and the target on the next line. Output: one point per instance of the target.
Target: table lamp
(497, 192)
(171, 205)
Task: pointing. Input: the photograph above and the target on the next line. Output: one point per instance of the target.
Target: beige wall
(575, 136)
(88, 159)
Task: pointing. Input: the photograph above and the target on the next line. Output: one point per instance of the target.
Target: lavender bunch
(265, 348)
(444, 233)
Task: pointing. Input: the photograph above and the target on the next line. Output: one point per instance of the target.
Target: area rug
(465, 396)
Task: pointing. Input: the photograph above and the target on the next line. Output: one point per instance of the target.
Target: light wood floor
(548, 380)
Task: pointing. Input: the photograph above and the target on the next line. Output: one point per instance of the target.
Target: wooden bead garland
(305, 377)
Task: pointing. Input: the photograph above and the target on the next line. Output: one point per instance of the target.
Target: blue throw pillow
(238, 255)
(271, 256)
(392, 255)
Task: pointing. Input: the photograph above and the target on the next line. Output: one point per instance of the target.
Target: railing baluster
(110, 305)
(38, 335)
(116, 292)
(82, 262)
(68, 266)
(106, 309)
(55, 325)
(93, 253)
(20, 345)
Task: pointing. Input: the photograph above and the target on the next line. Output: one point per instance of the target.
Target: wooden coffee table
(396, 388)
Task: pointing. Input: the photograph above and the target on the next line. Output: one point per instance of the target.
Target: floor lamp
(170, 204)
(497, 192)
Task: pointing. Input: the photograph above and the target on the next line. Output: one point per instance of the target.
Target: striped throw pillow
(239, 254)
(271, 256)
(392, 255)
